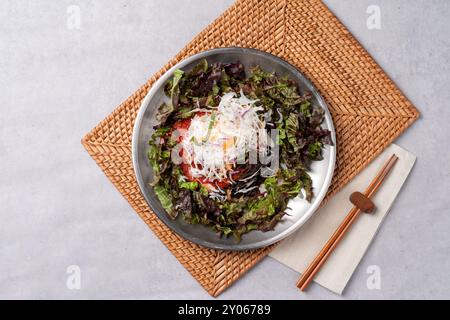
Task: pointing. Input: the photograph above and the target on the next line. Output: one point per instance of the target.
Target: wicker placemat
(369, 111)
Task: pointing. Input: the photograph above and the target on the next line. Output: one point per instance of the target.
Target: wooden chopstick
(309, 274)
(339, 231)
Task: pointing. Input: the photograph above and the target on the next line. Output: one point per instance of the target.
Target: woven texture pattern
(369, 112)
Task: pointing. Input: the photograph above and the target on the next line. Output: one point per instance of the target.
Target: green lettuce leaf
(292, 127)
(193, 186)
(166, 200)
(175, 90)
(305, 108)
(163, 112)
(315, 151)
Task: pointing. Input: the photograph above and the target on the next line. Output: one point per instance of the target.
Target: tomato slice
(182, 124)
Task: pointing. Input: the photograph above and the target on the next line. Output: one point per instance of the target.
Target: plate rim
(237, 246)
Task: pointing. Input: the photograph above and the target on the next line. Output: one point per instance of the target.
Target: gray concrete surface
(58, 209)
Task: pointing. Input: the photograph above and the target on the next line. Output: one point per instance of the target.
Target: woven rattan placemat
(368, 110)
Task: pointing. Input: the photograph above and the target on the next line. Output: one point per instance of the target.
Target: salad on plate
(231, 147)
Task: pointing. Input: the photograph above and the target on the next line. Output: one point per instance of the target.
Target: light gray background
(58, 209)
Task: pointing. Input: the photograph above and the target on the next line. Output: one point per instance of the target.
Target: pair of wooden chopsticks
(309, 274)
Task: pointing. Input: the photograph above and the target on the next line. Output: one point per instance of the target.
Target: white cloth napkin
(298, 250)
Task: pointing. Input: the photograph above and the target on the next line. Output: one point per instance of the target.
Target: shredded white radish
(219, 139)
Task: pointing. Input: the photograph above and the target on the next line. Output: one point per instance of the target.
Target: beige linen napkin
(298, 250)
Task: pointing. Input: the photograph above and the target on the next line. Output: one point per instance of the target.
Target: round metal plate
(300, 210)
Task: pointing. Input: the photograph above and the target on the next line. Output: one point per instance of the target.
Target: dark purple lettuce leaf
(184, 203)
(235, 70)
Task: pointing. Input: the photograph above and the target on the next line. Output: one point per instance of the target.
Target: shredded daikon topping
(219, 139)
